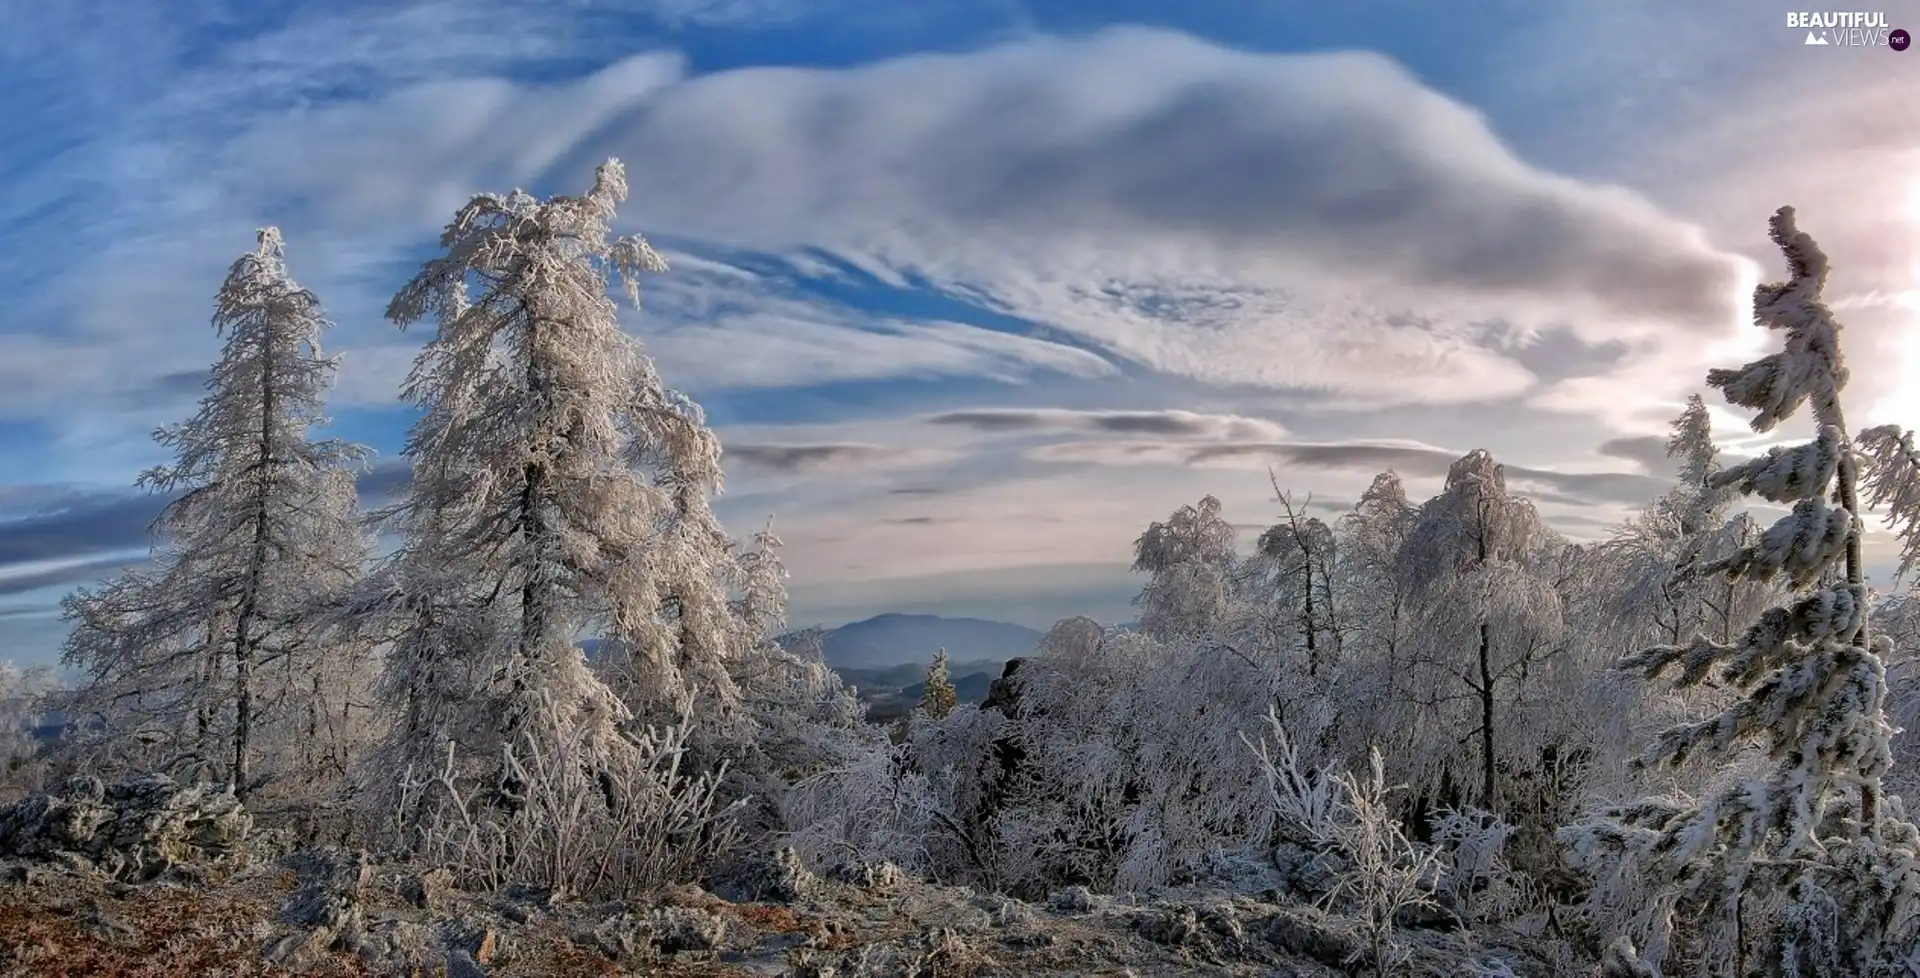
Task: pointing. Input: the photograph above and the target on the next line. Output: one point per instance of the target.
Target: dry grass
(151, 932)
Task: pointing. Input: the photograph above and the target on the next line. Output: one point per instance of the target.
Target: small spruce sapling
(939, 697)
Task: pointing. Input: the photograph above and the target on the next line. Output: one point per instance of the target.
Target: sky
(972, 291)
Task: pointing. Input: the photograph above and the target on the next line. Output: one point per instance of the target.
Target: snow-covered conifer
(938, 698)
(212, 645)
(1811, 835)
(559, 490)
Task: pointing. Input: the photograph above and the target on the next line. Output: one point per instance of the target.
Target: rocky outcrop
(133, 829)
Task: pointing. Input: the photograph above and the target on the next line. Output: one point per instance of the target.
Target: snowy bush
(616, 832)
(1379, 872)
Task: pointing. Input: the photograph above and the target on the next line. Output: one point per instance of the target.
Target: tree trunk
(1486, 719)
(1857, 579)
(533, 488)
(243, 637)
(1313, 650)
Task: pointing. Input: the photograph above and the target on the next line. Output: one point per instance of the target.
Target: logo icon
(1898, 39)
(1817, 38)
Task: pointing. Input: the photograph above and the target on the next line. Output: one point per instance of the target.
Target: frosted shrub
(1381, 872)
(874, 809)
(624, 831)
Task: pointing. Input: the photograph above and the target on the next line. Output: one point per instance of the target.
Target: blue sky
(972, 291)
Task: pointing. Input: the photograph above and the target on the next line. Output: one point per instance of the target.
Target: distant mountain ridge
(897, 639)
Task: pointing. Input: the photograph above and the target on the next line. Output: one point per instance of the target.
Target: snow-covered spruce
(1807, 866)
(206, 663)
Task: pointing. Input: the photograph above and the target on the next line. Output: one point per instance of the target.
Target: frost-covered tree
(1802, 870)
(1189, 560)
(806, 717)
(1658, 554)
(1487, 620)
(212, 646)
(1376, 612)
(938, 698)
(24, 703)
(760, 610)
(1285, 588)
(559, 491)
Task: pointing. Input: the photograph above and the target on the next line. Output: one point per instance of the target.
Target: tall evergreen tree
(938, 697)
(212, 645)
(559, 492)
(1812, 832)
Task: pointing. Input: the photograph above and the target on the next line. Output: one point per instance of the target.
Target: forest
(1678, 750)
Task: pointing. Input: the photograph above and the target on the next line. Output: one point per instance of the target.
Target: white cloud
(1236, 218)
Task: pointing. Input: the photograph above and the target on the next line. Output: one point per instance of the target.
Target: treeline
(1669, 748)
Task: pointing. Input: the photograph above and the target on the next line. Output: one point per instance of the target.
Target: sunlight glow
(1902, 404)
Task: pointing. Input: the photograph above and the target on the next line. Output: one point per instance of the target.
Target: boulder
(133, 829)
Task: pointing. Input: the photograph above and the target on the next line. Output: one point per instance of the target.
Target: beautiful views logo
(1855, 28)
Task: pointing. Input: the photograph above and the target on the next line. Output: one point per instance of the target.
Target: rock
(1004, 913)
(777, 877)
(1073, 899)
(1306, 938)
(878, 876)
(428, 890)
(392, 947)
(133, 829)
(677, 930)
(1171, 926)
(1003, 694)
(663, 934)
(460, 964)
(326, 911)
(335, 884)
(1306, 871)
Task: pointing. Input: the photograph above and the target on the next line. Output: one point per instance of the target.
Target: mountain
(894, 639)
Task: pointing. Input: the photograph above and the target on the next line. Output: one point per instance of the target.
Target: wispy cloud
(1169, 424)
(1409, 459)
(839, 458)
(1193, 261)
